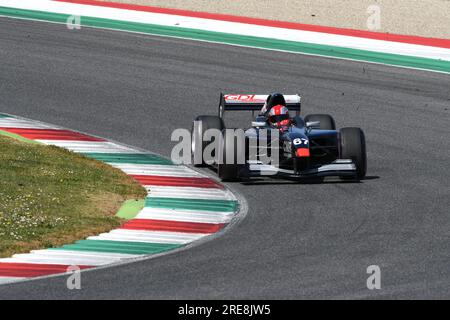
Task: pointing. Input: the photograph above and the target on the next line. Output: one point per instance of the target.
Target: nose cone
(300, 145)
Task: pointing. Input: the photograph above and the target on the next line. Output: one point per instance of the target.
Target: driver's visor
(278, 118)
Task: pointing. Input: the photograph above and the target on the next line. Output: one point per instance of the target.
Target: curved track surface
(298, 240)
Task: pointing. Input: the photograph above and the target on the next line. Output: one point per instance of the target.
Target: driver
(278, 117)
(272, 100)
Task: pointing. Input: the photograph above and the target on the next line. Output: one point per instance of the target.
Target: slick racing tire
(197, 134)
(326, 121)
(353, 146)
(230, 169)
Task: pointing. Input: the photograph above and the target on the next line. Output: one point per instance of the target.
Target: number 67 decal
(298, 141)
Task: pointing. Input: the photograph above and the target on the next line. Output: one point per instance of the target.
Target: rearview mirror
(313, 124)
(258, 123)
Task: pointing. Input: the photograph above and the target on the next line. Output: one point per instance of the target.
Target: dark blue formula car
(307, 147)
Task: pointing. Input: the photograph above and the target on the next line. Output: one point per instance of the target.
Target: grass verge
(51, 196)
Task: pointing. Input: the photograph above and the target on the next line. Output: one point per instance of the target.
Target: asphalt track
(298, 240)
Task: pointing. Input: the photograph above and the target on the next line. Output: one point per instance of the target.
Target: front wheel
(353, 146)
(232, 156)
(197, 133)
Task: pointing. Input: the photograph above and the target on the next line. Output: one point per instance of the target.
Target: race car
(309, 147)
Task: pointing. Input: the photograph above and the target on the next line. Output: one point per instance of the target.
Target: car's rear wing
(254, 102)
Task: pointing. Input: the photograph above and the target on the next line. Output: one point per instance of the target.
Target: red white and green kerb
(182, 206)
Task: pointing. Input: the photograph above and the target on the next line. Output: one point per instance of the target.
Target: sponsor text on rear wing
(253, 102)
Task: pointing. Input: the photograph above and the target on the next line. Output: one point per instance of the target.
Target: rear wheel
(326, 121)
(353, 146)
(197, 134)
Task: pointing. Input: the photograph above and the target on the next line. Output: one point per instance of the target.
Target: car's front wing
(341, 167)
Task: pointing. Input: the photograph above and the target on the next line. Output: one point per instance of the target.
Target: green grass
(51, 197)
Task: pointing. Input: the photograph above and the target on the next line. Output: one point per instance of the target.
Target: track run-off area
(297, 240)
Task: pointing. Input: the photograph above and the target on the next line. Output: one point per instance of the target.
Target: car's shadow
(270, 180)
(287, 181)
